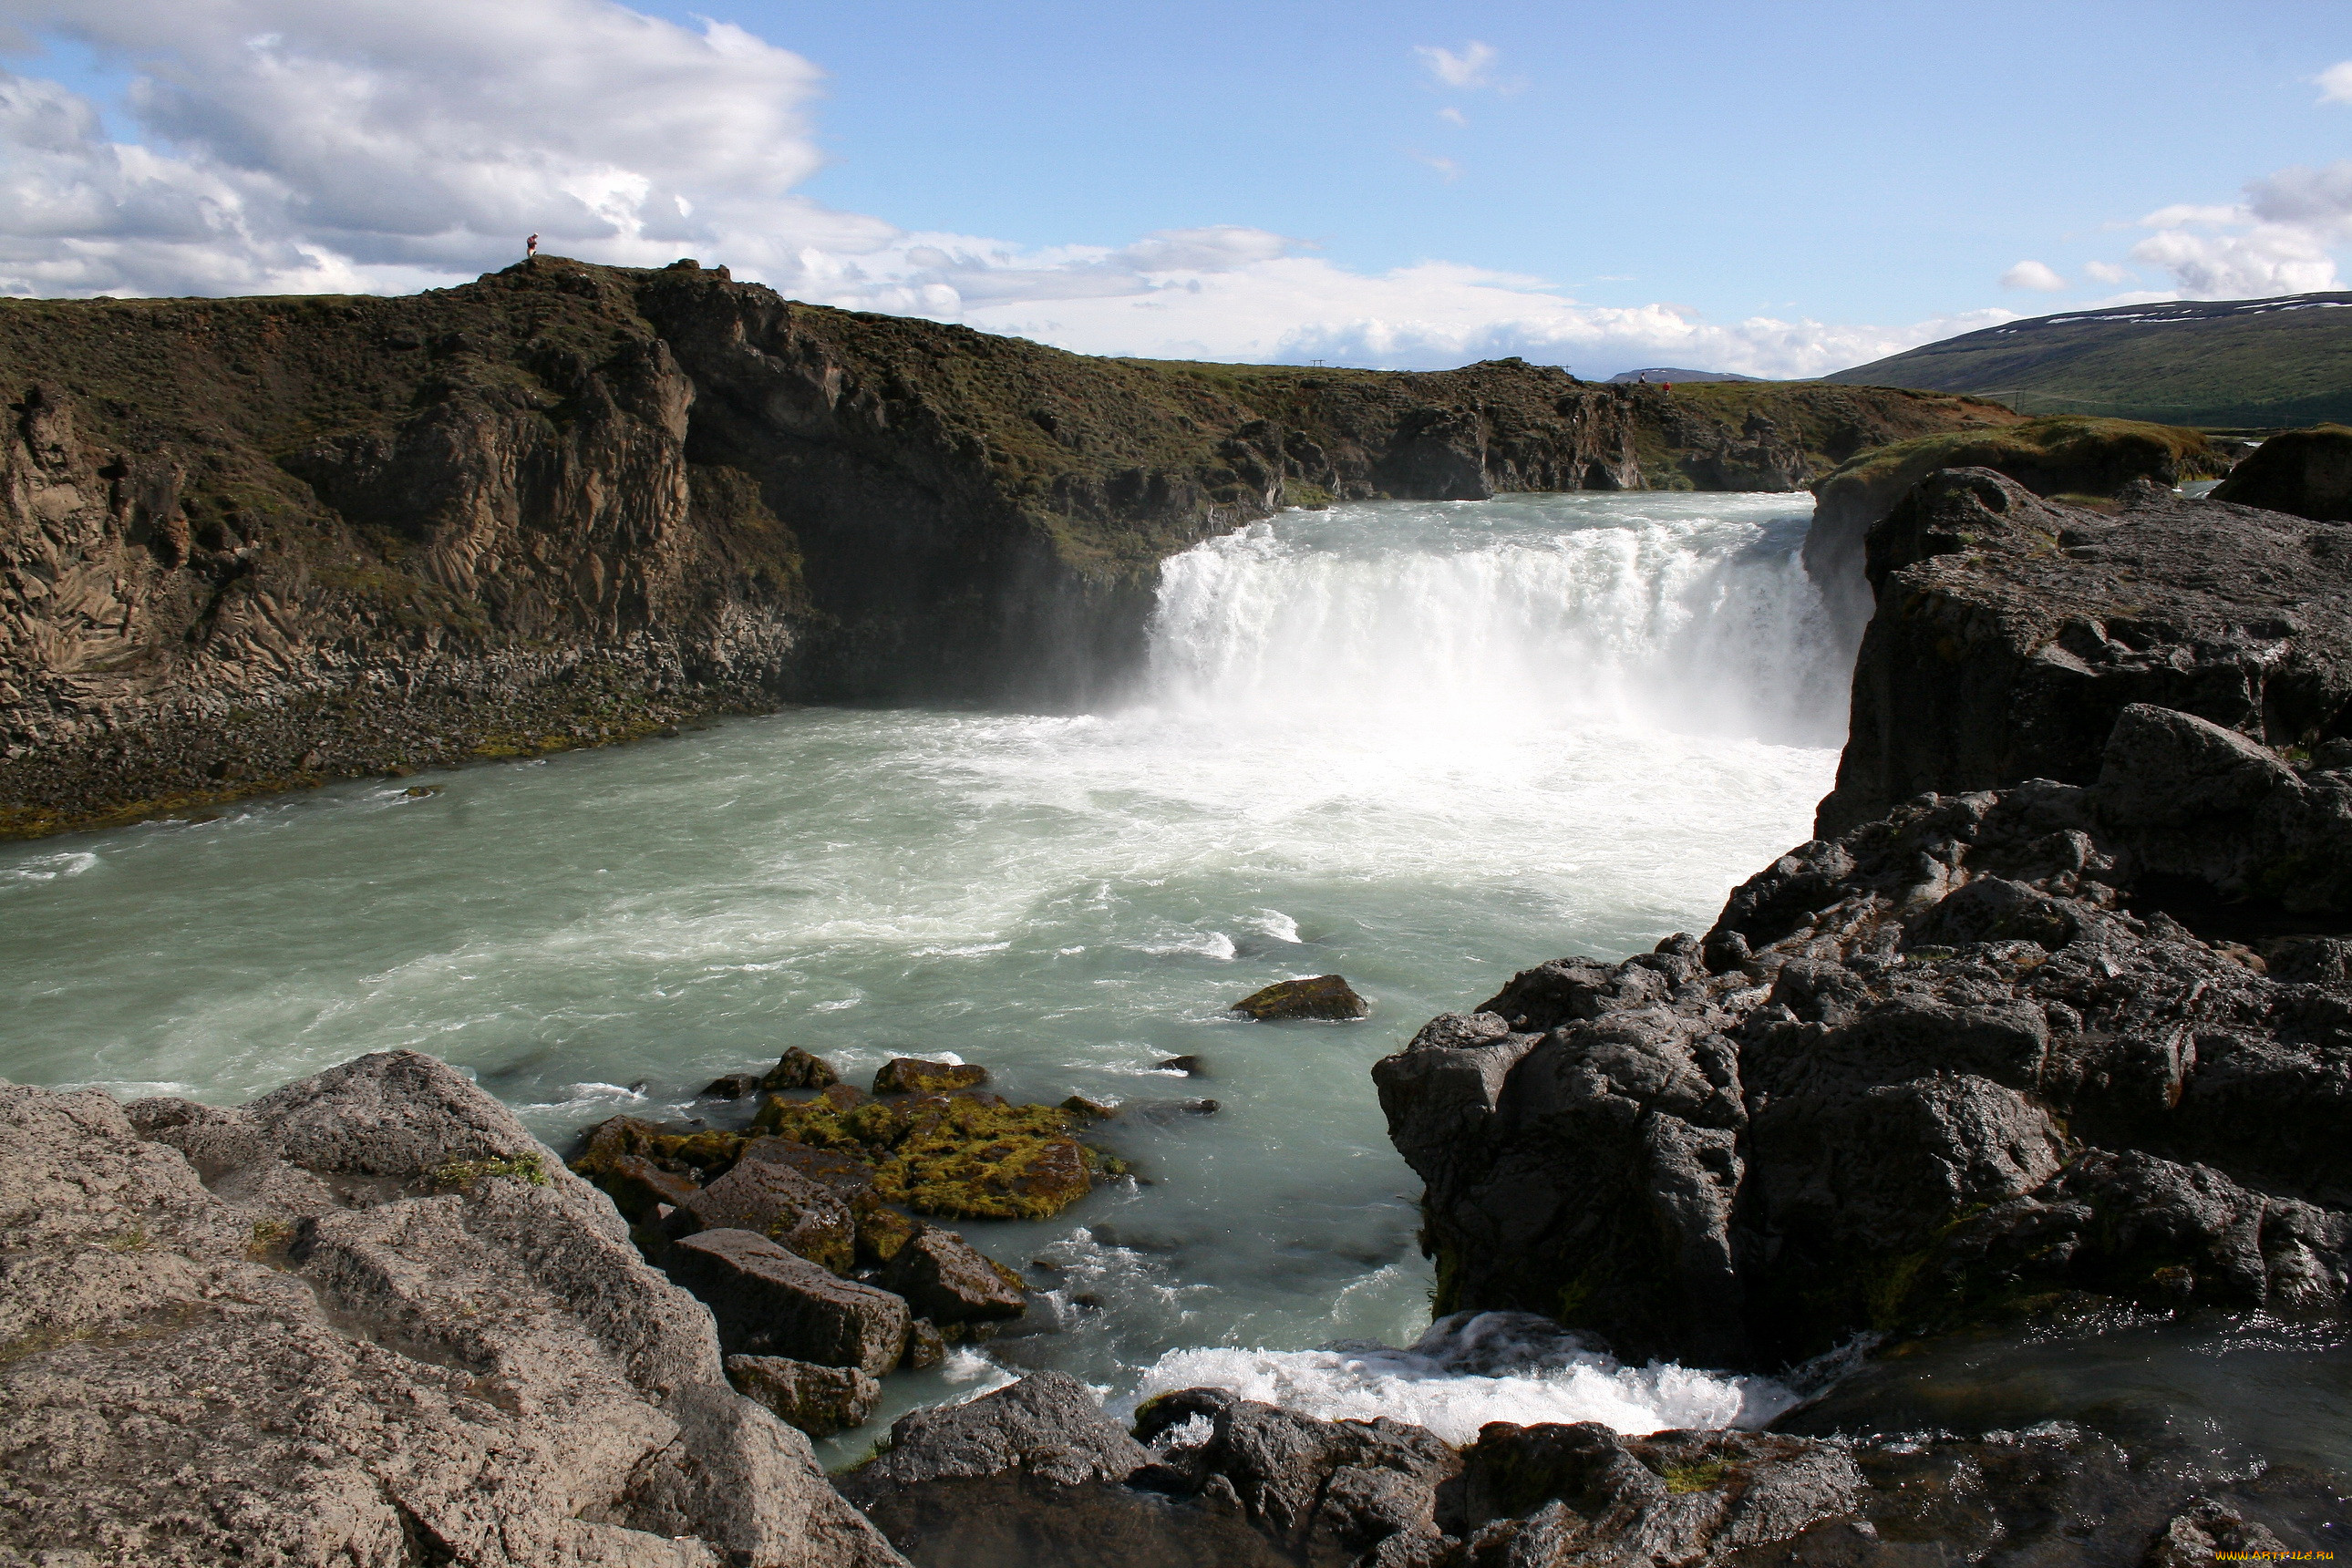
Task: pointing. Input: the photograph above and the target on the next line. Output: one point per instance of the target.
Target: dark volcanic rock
(768, 1301)
(2064, 456)
(1582, 1493)
(732, 1086)
(1325, 996)
(2306, 472)
(948, 1282)
(819, 1400)
(796, 1069)
(2012, 632)
(1331, 1491)
(1048, 1425)
(1946, 1067)
(365, 1318)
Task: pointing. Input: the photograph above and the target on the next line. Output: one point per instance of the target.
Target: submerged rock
(770, 1301)
(1325, 996)
(283, 1331)
(819, 1400)
(1190, 1067)
(731, 1085)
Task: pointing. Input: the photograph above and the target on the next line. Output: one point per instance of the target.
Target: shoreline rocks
(364, 1319)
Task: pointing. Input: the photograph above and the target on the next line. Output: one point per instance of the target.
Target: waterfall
(1677, 613)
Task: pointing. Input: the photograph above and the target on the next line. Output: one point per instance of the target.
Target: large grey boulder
(768, 1301)
(393, 1329)
(1048, 1425)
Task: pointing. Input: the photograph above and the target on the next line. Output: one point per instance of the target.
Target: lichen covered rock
(905, 1075)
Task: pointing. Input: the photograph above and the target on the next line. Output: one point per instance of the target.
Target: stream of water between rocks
(1419, 745)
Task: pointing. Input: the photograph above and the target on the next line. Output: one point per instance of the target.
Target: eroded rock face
(1935, 1071)
(2012, 631)
(364, 1320)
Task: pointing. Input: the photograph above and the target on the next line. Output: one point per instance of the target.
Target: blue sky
(1778, 188)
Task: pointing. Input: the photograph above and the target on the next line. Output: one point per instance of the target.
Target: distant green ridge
(2219, 363)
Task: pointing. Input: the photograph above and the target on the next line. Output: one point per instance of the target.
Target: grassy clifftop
(2232, 363)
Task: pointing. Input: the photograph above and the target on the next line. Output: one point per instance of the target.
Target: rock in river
(947, 1281)
(1325, 996)
(819, 1400)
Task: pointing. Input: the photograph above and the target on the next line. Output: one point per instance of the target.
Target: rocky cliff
(2055, 1014)
(250, 544)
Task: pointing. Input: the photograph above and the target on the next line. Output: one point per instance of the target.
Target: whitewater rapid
(1419, 745)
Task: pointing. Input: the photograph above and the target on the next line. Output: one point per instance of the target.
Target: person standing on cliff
(530, 246)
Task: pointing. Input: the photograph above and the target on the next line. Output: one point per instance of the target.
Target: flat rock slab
(1323, 996)
(770, 1301)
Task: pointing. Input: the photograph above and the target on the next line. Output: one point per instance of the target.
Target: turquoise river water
(1420, 744)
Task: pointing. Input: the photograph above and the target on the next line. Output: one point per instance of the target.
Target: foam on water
(1419, 745)
(1468, 1369)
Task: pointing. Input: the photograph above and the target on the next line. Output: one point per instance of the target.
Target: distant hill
(1666, 374)
(2267, 363)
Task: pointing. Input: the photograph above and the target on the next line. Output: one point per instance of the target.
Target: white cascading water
(1418, 744)
(1685, 613)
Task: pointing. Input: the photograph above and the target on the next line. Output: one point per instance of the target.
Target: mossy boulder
(881, 1232)
(1323, 996)
(968, 1155)
(905, 1075)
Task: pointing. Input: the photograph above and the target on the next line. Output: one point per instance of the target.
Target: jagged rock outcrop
(250, 544)
(2069, 456)
(2306, 472)
(1950, 1066)
(365, 1320)
(2010, 631)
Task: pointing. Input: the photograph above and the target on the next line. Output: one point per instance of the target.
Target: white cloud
(2275, 242)
(1466, 69)
(1447, 168)
(2336, 83)
(1452, 116)
(2032, 275)
(2106, 272)
(292, 146)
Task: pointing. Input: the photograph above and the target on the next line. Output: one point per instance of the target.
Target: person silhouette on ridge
(530, 246)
